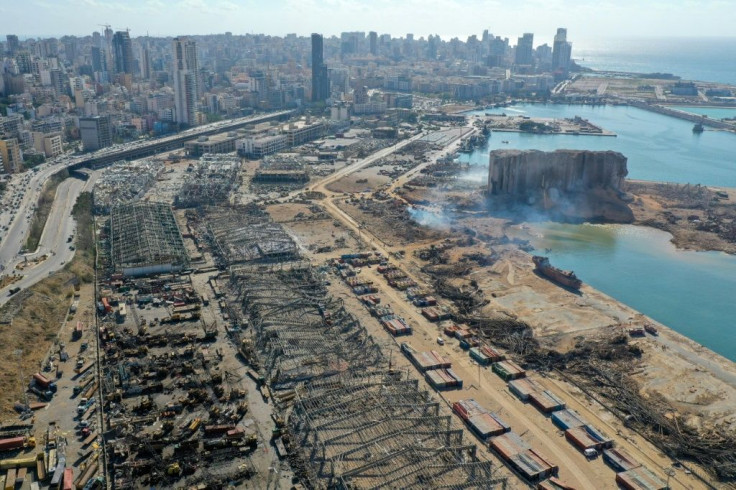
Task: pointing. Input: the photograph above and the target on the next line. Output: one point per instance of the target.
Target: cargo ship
(566, 278)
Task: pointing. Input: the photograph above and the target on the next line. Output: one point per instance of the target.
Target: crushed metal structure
(245, 234)
(352, 423)
(125, 182)
(211, 181)
(145, 239)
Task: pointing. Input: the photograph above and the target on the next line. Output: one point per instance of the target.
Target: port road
(489, 389)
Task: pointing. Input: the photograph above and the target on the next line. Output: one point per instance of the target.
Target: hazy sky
(586, 20)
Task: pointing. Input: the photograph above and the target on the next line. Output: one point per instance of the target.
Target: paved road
(553, 447)
(14, 238)
(321, 185)
(59, 226)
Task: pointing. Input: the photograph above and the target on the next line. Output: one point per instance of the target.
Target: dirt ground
(35, 317)
(510, 278)
(698, 217)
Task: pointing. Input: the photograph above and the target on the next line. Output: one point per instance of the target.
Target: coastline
(679, 216)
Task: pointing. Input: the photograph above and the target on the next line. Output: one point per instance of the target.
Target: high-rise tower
(122, 52)
(561, 51)
(320, 81)
(373, 42)
(525, 49)
(186, 70)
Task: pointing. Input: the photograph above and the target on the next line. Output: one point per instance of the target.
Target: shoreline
(676, 215)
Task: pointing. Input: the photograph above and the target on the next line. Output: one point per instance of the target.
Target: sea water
(707, 59)
(658, 147)
(693, 293)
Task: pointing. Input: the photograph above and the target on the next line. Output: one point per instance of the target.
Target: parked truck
(19, 442)
(44, 383)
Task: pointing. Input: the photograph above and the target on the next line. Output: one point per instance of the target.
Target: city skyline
(447, 18)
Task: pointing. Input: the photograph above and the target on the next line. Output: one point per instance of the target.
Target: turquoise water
(693, 293)
(658, 147)
(711, 112)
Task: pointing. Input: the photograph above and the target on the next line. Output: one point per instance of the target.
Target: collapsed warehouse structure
(279, 169)
(245, 234)
(352, 422)
(145, 239)
(125, 182)
(210, 181)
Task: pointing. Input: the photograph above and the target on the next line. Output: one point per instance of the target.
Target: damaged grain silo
(574, 184)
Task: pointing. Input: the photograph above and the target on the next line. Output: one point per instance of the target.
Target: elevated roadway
(60, 224)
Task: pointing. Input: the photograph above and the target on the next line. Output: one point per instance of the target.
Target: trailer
(12, 443)
(41, 474)
(27, 461)
(68, 479)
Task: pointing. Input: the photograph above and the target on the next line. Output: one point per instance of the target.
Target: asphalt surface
(53, 243)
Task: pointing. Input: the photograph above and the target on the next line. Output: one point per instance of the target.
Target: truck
(43, 395)
(84, 368)
(13, 443)
(45, 383)
(78, 331)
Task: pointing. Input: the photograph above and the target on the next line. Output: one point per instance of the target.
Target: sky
(585, 20)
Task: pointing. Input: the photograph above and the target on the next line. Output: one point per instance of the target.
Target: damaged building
(145, 239)
(578, 184)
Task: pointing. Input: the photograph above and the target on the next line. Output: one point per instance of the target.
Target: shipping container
(491, 353)
(567, 419)
(640, 479)
(554, 484)
(481, 421)
(586, 437)
(546, 401)
(524, 387)
(68, 483)
(619, 460)
(443, 379)
(449, 328)
(486, 425)
(396, 325)
(424, 361)
(479, 357)
(508, 370)
(531, 464)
